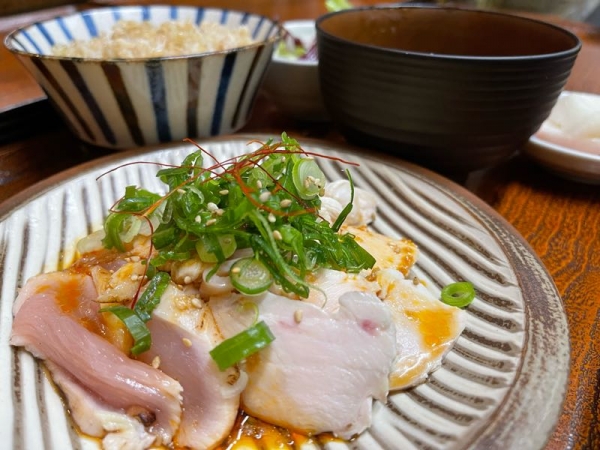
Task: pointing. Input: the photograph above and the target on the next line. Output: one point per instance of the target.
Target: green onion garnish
(267, 201)
(215, 248)
(142, 340)
(135, 319)
(239, 347)
(250, 276)
(151, 296)
(459, 294)
(308, 178)
(337, 5)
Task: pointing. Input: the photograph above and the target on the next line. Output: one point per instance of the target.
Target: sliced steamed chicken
(329, 285)
(426, 328)
(56, 319)
(323, 370)
(183, 333)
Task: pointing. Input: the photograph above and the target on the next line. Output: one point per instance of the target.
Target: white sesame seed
(134, 277)
(224, 192)
(306, 183)
(285, 203)
(197, 303)
(212, 207)
(186, 342)
(181, 191)
(298, 316)
(156, 362)
(198, 219)
(220, 212)
(277, 235)
(259, 184)
(187, 279)
(264, 196)
(210, 222)
(235, 270)
(135, 258)
(271, 218)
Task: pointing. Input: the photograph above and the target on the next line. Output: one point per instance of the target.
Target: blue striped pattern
(42, 29)
(160, 100)
(199, 16)
(145, 13)
(224, 17)
(91, 25)
(258, 28)
(65, 29)
(143, 106)
(97, 113)
(31, 41)
(222, 92)
(70, 109)
(116, 14)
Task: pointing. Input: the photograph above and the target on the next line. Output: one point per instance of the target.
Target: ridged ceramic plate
(501, 387)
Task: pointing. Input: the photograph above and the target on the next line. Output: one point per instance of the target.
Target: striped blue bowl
(123, 103)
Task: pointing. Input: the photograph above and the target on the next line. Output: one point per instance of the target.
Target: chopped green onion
(130, 228)
(286, 50)
(212, 249)
(217, 210)
(308, 178)
(142, 340)
(459, 294)
(151, 296)
(250, 276)
(348, 208)
(337, 5)
(112, 226)
(135, 319)
(233, 350)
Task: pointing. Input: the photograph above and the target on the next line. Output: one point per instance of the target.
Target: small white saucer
(567, 162)
(565, 159)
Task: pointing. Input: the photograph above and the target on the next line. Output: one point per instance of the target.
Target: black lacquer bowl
(454, 89)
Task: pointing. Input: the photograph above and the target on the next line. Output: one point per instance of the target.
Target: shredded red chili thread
(234, 167)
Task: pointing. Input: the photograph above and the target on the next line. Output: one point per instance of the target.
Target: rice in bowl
(130, 39)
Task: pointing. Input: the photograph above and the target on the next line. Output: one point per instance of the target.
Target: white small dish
(292, 84)
(566, 153)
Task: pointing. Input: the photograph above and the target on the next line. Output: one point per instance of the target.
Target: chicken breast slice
(56, 319)
(426, 328)
(327, 286)
(183, 333)
(120, 430)
(323, 370)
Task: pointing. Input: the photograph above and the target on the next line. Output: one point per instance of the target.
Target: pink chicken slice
(56, 319)
(323, 369)
(183, 333)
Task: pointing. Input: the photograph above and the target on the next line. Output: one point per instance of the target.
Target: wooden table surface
(559, 219)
